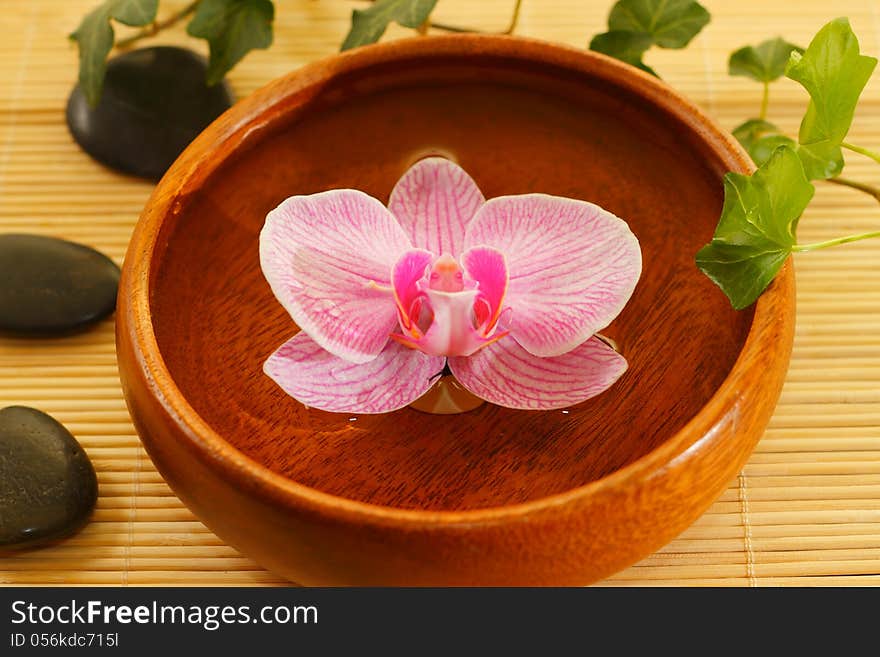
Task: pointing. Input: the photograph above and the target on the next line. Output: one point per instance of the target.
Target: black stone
(50, 286)
(48, 486)
(155, 102)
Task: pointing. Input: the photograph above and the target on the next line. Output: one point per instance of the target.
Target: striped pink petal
(405, 277)
(317, 378)
(572, 267)
(488, 269)
(328, 260)
(434, 201)
(506, 374)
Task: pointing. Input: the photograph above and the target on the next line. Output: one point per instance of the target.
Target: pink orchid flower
(508, 292)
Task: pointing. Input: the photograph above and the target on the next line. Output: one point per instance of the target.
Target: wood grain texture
(804, 511)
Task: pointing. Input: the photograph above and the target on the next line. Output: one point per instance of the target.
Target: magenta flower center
(446, 309)
(446, 275)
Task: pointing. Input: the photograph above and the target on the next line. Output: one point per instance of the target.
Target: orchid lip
(441, 310)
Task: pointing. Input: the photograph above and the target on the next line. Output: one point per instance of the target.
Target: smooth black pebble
(50, 286)
(48, 486)
(155, 102)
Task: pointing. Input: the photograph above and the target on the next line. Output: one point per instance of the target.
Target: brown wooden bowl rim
(252, 114)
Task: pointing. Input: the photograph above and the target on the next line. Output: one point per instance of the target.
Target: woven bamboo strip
(850, 580)
(706, 530)
(194, 577)
(794, 544)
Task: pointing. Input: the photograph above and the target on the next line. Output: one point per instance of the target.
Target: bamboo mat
(804, 511)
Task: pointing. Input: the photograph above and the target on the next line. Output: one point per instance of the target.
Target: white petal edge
(506, 374)
(328, 258)
(434, 201)
(395, 378)
(572, 267)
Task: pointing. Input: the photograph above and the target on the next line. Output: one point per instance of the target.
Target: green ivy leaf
(761, 138)
(134, 12)
(749, 132)
(232, 29)
(758, 226)
(636, 25)
(765, 62)
(368, 25)
(628, 47)
(764, 147)
(822, 159)
(94, 36)
(834, 74)
(671, 23)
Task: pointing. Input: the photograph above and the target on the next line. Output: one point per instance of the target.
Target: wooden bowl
(493, 496)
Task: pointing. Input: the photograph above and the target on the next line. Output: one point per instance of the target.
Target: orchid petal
(506, 374)
(487, 267)
(572, 267)
(315, 377)
(434, 201)
(405, 276)
(328, 260)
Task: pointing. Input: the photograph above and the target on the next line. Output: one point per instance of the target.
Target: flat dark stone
(48, 486)
(50, 286)
(155, 102)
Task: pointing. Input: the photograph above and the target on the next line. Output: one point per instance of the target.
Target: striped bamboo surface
(804, 511)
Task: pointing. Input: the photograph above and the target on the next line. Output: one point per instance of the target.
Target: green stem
(453, 28)
(157, 26)
(870, 190)
(834, 242)
(514, 20)
(864, 151)
(765, 101)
